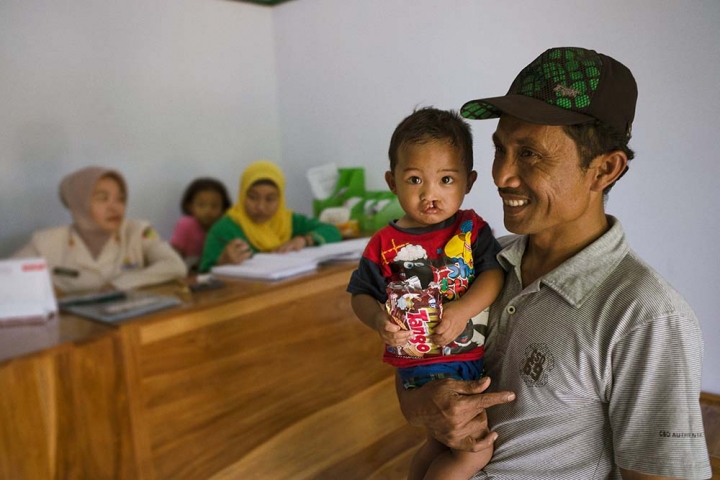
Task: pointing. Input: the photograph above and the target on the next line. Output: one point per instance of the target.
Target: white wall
(164, 91)
(350, 70)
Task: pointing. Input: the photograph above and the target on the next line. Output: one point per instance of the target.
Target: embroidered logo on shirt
(536, 365)
(149, 233)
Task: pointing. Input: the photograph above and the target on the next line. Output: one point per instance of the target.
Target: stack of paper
(276, 266)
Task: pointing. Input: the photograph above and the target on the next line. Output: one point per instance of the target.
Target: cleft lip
(430, 206)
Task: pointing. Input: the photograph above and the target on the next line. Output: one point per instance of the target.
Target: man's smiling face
(538, 175)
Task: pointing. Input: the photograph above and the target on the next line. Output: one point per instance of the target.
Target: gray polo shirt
(605, 358)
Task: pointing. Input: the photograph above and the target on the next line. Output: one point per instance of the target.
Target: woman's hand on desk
(294, 244)
(235, 252)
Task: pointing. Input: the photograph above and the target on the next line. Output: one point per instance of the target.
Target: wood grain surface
(252, 381)
(64, 414)
(280, 381)
(710, 405)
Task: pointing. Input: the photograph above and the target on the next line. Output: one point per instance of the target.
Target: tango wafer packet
(418, 310)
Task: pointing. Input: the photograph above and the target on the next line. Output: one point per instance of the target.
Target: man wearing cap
(594, 359)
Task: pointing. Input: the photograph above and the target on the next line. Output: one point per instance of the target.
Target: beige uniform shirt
(134, 257)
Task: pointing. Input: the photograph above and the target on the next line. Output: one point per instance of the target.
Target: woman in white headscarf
(102, 249)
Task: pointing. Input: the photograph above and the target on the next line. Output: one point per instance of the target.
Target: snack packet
(418, 310)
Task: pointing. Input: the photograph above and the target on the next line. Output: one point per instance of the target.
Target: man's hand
(451, 325)
(453, 411)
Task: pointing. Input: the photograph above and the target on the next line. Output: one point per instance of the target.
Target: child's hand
(390, 332)
(451, 325)
(294, 244)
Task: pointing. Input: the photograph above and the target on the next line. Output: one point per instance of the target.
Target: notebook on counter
(278, 266)
(114, 306)
(26, 292)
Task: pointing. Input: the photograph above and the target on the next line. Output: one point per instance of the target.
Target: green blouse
(226, 230)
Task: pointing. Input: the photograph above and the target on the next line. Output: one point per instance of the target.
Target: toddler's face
(207, 207)
(430, 181)
(107, 204)
(261, 202)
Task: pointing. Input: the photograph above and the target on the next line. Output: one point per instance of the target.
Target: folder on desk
(278, 266)
(26, 291)
(114, 308)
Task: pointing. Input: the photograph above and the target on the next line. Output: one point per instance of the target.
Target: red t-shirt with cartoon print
(451, 254)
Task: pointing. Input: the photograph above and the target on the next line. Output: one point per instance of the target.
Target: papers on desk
(277, 266)
(26, 291)
(114, 306)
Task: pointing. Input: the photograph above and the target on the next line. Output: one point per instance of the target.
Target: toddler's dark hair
(201, 185)
(431, 124)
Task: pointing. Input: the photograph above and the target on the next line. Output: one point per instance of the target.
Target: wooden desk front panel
(64, 414)
(282, 384)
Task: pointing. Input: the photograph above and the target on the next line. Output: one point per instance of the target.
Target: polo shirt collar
(576, 278)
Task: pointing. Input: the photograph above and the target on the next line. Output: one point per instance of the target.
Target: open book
(277, 266)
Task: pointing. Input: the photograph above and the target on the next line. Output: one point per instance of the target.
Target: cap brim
(525, 108)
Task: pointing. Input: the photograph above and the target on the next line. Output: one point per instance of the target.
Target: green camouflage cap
(566, 86)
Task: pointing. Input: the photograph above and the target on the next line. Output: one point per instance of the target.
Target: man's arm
(629, 475)
(655, 393)
(452, 411)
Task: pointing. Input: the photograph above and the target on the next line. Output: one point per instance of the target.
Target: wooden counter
(253, 380)
(25, 339)
(64, 412)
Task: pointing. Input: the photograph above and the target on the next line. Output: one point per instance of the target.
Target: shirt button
(510, 309)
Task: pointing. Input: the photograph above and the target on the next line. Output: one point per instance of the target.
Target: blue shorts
(414, 377)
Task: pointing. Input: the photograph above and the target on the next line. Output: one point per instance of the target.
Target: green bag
(351, 183)
(378, 208)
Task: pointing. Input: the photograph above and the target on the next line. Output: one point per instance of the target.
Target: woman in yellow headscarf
(260, 222)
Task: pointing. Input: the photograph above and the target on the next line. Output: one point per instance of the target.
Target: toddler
(435, 247)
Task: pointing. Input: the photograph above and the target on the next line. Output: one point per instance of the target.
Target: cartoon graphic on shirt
(452, 270)
(412, 261)
(460, 245)
(390, 253)
(472, 337)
